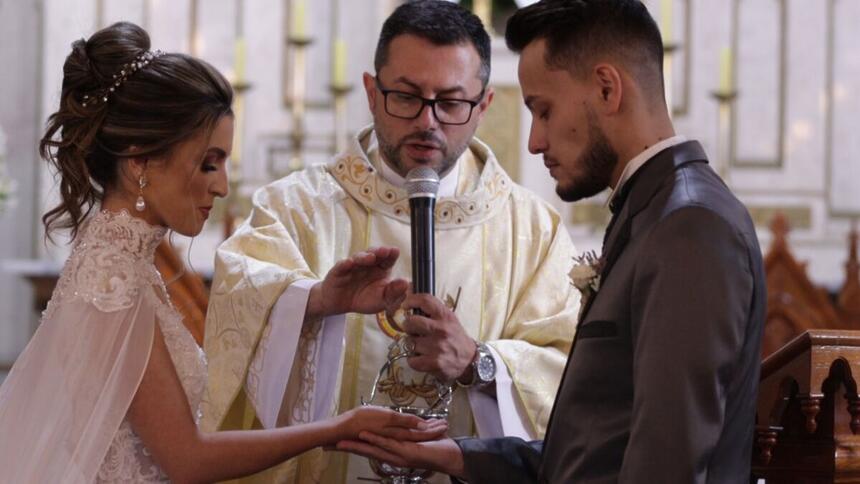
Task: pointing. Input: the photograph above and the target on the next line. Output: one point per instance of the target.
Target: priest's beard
(392, 152)
(598, 161)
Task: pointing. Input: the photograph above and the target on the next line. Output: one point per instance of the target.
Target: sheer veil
(70, 389)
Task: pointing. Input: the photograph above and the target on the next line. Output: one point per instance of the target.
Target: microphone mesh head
(422, 181)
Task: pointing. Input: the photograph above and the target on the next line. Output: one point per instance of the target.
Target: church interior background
(771, 88)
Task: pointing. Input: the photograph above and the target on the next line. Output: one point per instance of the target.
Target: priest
(287, 342)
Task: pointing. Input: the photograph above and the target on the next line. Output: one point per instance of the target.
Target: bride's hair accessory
(120, 77)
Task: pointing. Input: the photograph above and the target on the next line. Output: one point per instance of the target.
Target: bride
(109, 388)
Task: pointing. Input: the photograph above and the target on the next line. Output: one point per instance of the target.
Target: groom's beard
(599, 161)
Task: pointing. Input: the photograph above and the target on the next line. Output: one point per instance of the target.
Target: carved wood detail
(810, 406)
(808, 411)
(794, 303)
(854, 410)
(766, 438)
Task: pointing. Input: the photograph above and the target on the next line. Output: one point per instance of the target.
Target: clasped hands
(398, 439)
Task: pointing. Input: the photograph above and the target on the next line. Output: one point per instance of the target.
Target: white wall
(19, 119)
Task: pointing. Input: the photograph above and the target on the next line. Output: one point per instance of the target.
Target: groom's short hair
(580, 33)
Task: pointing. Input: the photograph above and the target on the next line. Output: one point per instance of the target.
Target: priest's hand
(441, 345)
(442, 455)
(358, 284)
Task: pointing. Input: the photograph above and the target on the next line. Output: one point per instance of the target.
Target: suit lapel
(636, 195)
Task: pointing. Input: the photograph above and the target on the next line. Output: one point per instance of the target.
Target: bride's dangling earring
(140, 205)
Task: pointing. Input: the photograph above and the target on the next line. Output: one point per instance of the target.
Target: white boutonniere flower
(585, 275)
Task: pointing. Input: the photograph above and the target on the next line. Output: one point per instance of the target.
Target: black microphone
(422, 183)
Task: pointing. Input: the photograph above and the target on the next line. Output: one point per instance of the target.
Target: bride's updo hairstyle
(120, 99)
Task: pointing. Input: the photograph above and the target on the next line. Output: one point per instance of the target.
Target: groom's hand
(443, 455)
(358, 284)
(441, 345)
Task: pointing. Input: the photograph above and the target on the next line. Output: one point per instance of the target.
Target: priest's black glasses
(405, 105)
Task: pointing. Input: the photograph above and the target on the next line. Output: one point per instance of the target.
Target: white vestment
(501, 248)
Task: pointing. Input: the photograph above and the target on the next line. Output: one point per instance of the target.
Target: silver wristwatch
(483, 367)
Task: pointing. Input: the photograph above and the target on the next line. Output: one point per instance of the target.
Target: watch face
(486, 368)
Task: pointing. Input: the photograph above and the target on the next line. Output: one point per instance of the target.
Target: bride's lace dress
(112, 266)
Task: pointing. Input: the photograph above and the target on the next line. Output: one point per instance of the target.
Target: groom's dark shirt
(661, 382)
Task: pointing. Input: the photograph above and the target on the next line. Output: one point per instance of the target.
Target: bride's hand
(386, 422)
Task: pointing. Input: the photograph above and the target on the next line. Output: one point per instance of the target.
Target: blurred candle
(338, 66)
(666, 20)
(299, 19)
(483, 9)
(239, 59)
(725, 70)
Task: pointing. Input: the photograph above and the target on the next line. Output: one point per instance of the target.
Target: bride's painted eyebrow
(217, 151)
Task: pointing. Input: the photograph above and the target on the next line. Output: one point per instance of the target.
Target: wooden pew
(808, 410)
(808, 413)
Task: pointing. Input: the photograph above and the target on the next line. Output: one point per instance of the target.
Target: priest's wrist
(467, 376)
(482, 368)
(315, 308)
(467, 379)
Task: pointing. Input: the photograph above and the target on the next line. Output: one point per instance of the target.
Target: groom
(661, 382)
